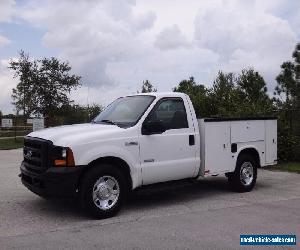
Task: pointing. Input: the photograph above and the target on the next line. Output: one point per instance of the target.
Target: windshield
(125, 111)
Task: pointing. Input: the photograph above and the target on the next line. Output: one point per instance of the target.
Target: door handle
(132, 143)
(191, 140)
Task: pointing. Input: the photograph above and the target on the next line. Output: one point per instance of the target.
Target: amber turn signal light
(60, 163)
(70, 158)
(67, 161)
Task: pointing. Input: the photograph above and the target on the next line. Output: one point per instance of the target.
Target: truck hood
(70, 134)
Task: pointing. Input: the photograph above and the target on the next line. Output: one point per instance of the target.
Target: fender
(251, 146)
(87, 156)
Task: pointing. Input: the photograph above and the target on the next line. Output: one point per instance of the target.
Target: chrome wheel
(106, 192)
(246, 173)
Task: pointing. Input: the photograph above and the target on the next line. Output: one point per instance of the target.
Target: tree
(43, 85)
(74, 113)
(285, 91)
(252, 91)
(199, 95)
(25, 70)
(54, 83)
(224, 95)
(287, 100)
(296, 56)
(147, 87)
(286, 96)
(93, 111)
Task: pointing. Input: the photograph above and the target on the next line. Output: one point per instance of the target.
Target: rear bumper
(54, 182)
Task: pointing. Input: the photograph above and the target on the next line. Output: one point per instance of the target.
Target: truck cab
(136, 141)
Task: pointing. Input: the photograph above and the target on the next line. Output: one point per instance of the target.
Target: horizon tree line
(45, 84)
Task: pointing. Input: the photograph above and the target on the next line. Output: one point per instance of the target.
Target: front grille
(36, 154)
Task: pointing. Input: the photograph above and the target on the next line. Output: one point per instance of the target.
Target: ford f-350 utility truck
(140, 140)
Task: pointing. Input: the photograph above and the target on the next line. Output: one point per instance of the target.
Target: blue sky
(115, 45)
(25, 37)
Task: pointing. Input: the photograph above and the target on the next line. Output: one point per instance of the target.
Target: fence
(15, 129)
(288, 134)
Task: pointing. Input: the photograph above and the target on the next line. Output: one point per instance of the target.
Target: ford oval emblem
(28, 153)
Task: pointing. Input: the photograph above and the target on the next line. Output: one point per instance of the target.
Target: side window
(171, 112)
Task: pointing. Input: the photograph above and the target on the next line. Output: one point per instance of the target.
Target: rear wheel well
(121, 164)
(253, 153)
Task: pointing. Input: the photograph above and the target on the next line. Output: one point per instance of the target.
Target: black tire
(100, 172)
(236, 180)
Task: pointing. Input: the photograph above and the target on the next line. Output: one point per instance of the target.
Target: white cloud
(7, 82)
(115, 45)
(245, 33)
(91, 33)
(171, 38)
(287, 10)
(144, 21)
(228, 26)
(4, 41)
(165, 69)
(6, 10)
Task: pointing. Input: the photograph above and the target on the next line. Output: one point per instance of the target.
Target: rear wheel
(243, 179)
(103, 191)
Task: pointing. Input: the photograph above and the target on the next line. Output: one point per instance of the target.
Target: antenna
(88, 102)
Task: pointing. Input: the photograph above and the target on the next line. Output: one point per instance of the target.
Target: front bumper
(54, 182)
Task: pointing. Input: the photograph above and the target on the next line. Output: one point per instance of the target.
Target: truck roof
(163, 94)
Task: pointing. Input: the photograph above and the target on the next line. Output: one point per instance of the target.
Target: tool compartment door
(247, 131)
(217, 147)
(271, 141)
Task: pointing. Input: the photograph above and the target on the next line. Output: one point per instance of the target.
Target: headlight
(62, 157)
(64, 152)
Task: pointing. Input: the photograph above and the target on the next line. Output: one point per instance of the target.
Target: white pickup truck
(140, 140)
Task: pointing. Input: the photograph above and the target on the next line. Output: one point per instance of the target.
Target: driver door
(170, 155)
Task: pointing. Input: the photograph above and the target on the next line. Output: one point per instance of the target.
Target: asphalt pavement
(204, 214)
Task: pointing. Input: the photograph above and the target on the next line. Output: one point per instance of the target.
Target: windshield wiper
(109, 122)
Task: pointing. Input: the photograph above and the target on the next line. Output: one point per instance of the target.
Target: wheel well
(253, 152)
(121, 164)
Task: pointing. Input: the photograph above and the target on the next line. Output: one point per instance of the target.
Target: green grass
(6, 144)
(287, 166)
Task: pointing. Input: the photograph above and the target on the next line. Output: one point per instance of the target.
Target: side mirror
(153, 127)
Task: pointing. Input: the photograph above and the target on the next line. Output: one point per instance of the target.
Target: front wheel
(103, 191)
(243, 179)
